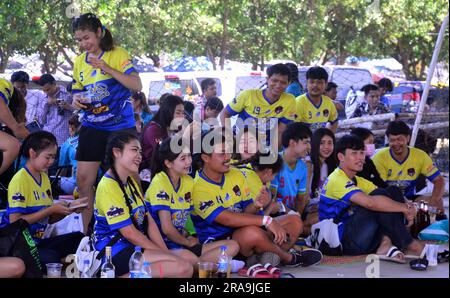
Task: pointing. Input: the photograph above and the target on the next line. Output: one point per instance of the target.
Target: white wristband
(267, 220)
(293, 212)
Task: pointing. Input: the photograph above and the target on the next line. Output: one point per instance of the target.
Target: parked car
(404, 99)
(187, 84)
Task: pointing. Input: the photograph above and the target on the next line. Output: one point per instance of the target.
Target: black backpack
(16, 241)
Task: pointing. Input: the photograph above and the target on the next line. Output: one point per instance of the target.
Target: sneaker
(305, 258)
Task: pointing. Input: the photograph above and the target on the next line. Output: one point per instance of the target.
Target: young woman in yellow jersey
(121, 214)
(30, 198)
(105, 71)
(170, 197)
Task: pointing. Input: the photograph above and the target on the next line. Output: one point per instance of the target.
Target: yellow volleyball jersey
(315, 116)
(112, 109)
(405, 174)
(211, 198)
(253, 104)
(26, 196)
(111, 212)
(6, 90)
(162, 195)
(337, 190)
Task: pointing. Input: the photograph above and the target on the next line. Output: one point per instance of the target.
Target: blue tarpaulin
(201, 63)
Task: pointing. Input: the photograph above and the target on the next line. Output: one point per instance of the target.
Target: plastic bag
(437, 231)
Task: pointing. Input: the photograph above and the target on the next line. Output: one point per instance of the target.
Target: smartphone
(77, 206)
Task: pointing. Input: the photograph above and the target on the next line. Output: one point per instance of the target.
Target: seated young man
(314, 108)
(372, 104)
(223, 209)
(290, 183)
(401, 165)
(370, 219)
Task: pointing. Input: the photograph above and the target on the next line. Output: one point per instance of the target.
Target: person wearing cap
(34, 98)
(57, 109)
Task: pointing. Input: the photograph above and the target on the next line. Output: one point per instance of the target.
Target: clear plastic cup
(85, 98)
(431, 253)
(205, 269)
(54, 270)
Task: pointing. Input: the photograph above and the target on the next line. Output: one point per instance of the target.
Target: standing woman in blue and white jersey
(106, 71)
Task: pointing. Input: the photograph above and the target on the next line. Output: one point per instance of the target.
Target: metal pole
(433, 63)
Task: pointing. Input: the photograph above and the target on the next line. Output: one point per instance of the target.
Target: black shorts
(1, 158)
(196, 249)
(92, 143)
(121, 259)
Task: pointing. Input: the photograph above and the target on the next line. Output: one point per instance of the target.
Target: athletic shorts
(92, 143)
(121, 259)
(196, 249)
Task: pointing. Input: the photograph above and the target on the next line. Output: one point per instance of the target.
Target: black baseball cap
(45, 79)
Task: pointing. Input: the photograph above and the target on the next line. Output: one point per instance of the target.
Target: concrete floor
(381, 269)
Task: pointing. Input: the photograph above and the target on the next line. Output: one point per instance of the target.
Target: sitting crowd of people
(183, 182)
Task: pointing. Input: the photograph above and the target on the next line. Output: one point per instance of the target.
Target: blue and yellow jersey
(112, 213)
(211, 198)
(336, 193)
(162, 195)
(6, 90)
(254, 183)
(405, 174)
(27, 196)
(315, 116)
(289, 183)
(111, 100)
(253, 104)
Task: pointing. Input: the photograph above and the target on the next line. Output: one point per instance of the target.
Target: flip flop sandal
(392, 254)
(419, 264)
(276, 272)
(422, 254)
(256, 271)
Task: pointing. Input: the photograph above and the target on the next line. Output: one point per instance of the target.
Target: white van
(187, 84)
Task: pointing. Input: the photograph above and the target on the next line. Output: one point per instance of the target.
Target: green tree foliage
(251, 31)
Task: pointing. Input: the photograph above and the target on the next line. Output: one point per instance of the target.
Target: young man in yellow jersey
(401, 165)
(370, 220)
(224, 209)
(314, 108)
(274, 108)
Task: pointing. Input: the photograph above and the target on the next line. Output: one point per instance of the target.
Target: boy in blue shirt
(290, 183)
(67, 156)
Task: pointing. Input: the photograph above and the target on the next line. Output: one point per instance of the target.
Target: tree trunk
(404, 58)
(224, 44)
(211, 57)
(4, 57)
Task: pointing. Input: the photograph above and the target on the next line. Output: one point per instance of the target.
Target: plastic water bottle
(282, 210)
(146, 270)
(223, 264)
(85, 271)
(77, 224)
(135, 263)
